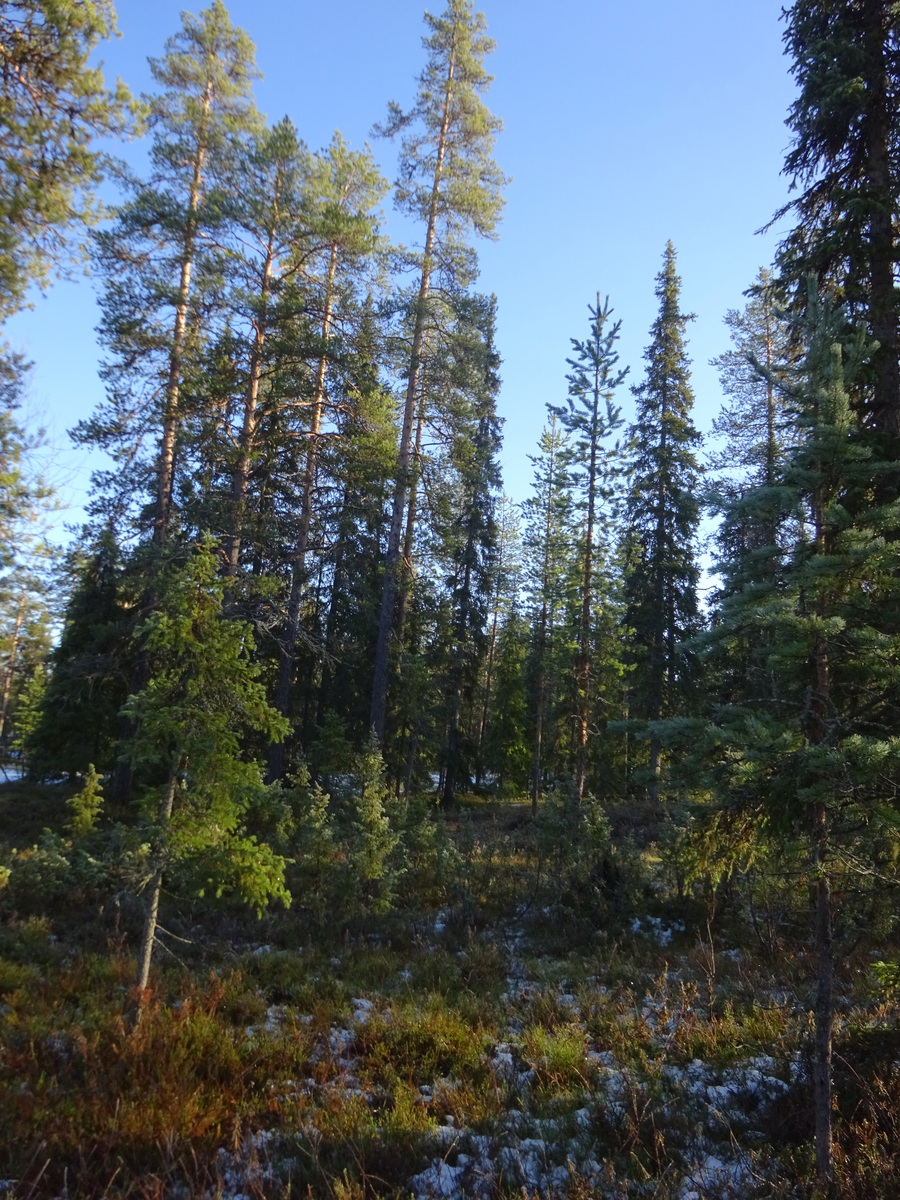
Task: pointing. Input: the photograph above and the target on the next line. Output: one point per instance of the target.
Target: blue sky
(624, 126)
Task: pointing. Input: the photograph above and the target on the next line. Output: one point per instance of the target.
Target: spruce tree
(474, 448)
(591, 417)
(662, 517)
(185, 745)
(502, 728)
(843, 162)
(89, 669)
(548, 544)
(817, 756)
(758, 425)
(358, 465)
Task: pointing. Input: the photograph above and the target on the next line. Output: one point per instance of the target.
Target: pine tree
(267, 181)
(449, 182)
(25, 495)
(26, 557)
(663, 512)
(155, 263)
(756, 420)
(55, 104)
(345, 190)
(25, 638)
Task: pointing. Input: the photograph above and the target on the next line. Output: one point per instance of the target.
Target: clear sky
(624, 125)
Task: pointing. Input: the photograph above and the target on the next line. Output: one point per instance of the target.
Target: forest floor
(501, 1045)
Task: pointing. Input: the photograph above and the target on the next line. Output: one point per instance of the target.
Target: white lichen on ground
(546, 1137)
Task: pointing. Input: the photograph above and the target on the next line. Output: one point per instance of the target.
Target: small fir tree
(202, 696)
(86, 805)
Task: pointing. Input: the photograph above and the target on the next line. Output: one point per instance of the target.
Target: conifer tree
(474, 448)
(756, 420)
(505, 751)
(548, 544)
(843, 162)
(818, 758)
(155, 264)
(662, 516)
(89, 670)
(358, 463)
(758, 425)
(55, 104)
(502, 734)
(25, 638)
(268, 182)
(450, 184)
(25, 555)
(24, 493)
(202, 696)
(591, 417)
(345, 191)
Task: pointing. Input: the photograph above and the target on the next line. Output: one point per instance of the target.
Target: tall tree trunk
(405, 583)
(771, 526)
(489, 673)
(413, 755)
(386, 620)
(241, 482)
(325, 680)
(165, 473)
(824, 939)
(287, 652)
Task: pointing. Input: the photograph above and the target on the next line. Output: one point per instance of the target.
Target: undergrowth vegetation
(572, 1006)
